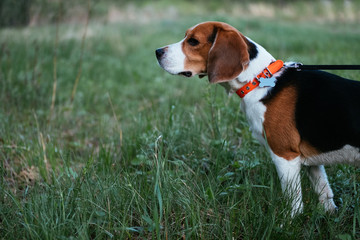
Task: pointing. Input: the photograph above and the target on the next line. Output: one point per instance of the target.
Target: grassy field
(98, 142)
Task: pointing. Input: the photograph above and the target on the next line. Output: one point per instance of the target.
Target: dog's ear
(228, 56)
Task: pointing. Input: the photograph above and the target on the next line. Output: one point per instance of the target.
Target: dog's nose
(159, 52)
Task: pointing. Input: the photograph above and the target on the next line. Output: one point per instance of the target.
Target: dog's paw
(329, 205)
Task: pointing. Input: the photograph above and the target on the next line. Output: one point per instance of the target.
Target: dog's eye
(193, 41)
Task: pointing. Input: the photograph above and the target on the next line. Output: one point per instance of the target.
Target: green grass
(140, 154)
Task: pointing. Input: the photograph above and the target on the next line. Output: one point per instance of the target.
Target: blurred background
(22, 13)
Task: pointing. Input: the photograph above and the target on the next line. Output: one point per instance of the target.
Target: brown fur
(280, 127)
(308, 150)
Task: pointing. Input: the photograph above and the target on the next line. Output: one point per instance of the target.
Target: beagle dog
(303, 117)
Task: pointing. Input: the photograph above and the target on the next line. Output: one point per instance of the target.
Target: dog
(306, 117)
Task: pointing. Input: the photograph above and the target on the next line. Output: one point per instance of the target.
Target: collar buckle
(268, 74)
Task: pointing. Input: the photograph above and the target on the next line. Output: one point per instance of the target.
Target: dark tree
(14, 13)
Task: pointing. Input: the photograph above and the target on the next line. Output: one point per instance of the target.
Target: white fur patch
(174, 58)
(322, 187)
(289, 174)
(348, 154)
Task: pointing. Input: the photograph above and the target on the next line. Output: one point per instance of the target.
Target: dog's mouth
(186, 74)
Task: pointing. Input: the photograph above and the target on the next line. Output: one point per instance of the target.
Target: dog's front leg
(289, 174)
(322, 187)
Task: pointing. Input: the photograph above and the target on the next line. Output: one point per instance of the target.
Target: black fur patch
(212, 37)
(327, 108)
(252, 49)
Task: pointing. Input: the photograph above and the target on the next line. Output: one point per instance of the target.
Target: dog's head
(211, 48)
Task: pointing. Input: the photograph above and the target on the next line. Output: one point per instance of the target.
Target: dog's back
(327, 108)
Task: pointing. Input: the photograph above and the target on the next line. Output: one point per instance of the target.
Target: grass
(140, 154)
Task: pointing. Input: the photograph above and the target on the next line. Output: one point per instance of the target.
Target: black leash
(300, 66)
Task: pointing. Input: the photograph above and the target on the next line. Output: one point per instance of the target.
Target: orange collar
(266, 73)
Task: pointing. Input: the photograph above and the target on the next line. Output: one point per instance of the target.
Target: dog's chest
(255, 110)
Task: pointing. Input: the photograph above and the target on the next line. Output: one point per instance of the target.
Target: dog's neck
(255, 66)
